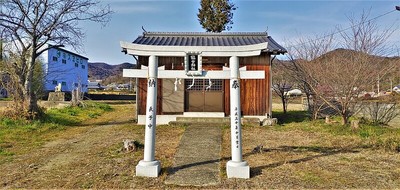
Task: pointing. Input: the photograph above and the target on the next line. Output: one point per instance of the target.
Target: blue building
(65, 68)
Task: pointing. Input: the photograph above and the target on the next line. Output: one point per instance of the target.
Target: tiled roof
(209, 39)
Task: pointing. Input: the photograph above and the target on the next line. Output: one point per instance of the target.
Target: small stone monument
(57, 95)
(355, 124)
(58, 88)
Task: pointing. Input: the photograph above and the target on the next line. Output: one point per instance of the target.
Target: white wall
(67, 68)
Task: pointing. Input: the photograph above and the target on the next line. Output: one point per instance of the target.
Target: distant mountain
(108, 73)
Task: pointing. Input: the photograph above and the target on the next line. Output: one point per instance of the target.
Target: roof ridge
(149, 34)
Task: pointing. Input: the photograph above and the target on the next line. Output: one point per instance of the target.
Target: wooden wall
(254, 93)
(168, 62)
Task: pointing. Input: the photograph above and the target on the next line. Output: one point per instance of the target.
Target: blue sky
(284, 21)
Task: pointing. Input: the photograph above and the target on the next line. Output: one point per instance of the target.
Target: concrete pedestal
(56, 96)
(269, 122)
(148, 169)
(238, 169)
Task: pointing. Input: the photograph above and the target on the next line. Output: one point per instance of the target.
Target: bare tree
(337, 78)
(300, 68)
(380, 112)
(365, 35)
(281, 83)
(27, 26)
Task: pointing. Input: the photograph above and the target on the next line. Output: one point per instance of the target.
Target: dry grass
(301, 159)
(295, 155)
(89, 155)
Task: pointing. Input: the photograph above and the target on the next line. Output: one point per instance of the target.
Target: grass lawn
(82, 148)
(19, 137)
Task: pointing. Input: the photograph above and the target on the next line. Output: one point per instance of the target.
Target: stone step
(187, 123)
(204, 119)
(212, 121)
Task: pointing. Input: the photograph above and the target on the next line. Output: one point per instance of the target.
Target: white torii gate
(237, 167)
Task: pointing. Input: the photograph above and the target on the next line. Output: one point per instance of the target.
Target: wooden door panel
(195, 101)
(200, 97)
(214, 101)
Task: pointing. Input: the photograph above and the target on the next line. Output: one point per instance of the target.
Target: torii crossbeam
(180, 74)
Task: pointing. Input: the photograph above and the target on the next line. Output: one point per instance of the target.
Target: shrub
(380, 112)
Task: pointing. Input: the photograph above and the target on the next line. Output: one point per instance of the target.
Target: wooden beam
(181, 51)
(171, 74)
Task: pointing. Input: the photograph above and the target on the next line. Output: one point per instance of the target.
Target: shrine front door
(200, 96)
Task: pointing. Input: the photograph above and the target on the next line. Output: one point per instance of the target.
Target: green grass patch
(74, 115)
(5, 152)
(18, 136)
(370, 136)
(5, 99)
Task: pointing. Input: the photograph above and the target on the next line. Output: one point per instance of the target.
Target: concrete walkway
(197, 158)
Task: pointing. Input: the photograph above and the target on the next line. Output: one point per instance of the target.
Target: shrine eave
(211, 51)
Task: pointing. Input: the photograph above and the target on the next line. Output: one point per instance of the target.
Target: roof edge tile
(152, 34)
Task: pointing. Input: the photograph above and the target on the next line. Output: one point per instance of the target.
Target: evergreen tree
(216, 15)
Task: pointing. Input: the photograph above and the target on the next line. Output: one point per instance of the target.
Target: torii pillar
(149, 167)
(236, 168)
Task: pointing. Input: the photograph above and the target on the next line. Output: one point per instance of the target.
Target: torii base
(148, 169)
(238, 169)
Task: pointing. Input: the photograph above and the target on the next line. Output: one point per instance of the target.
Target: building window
(83, 67)
(76, 84)
(54, 82)
(63, 83)
(64, 61)
(55, 58)
(76, 65)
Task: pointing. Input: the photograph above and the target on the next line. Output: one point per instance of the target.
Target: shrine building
(193, 73)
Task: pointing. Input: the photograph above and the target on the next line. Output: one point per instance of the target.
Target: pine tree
(216, 15)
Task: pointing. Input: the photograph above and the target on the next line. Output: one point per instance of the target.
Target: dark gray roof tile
(209, 39)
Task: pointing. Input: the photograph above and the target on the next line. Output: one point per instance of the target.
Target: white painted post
(149, 167)
(236, 168)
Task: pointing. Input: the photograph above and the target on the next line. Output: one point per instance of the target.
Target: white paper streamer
(177, 81)
(191, 84)
(209, 84)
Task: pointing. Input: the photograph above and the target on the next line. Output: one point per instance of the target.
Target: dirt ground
(299, 159)
(291, 106)
(90, 156)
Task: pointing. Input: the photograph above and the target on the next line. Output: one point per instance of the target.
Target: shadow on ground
(323, 152)
(291, 116)
(256, 171)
